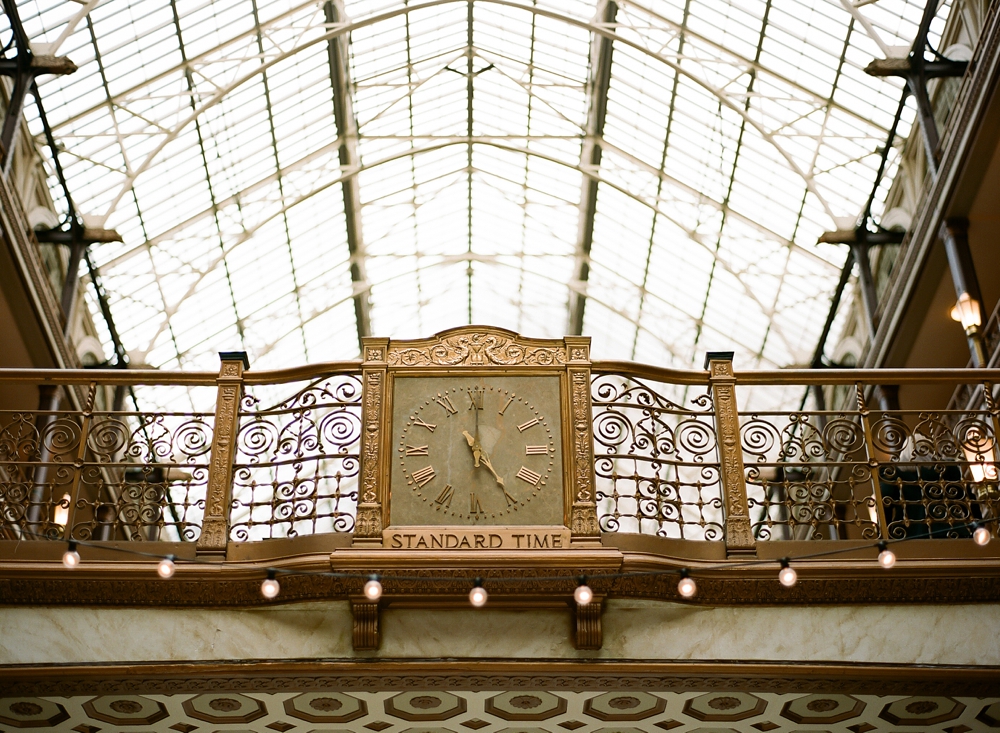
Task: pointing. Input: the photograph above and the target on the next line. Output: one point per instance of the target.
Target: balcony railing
(675, 455)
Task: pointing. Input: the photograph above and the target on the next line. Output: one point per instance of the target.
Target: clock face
(476, 450)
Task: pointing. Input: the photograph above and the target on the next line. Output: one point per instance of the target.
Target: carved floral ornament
(476, 349)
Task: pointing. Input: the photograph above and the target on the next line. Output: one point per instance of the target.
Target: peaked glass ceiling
(289, 175)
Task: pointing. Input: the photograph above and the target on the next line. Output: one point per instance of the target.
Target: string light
(687, 587)
(166, 567)
(886, 557)
(981, 535)
(787, 575)
(270, 587)
(478, 594)
(71, 558)
(373, 589)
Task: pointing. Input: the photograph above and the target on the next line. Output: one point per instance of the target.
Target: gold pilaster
(583, 519)
(371, 504)
(215, 525)
(739, 537)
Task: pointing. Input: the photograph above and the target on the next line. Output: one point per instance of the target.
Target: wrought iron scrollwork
(808, 475)
(297, 462)
(138, 476)
(656, 462)
(939, 472)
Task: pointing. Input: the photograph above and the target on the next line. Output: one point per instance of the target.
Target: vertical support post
(873, 465)
(869, 294)
(86, 420)
(990, 492)
(955, 233)
(373, 503)
(215, 525)
(739, 537)
(583, 524)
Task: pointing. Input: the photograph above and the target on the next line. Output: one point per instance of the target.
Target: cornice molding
(295, 676)
(529, 579)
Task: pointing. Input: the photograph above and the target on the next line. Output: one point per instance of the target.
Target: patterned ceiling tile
(624, 706)
(325, 707)
(727, 706)
(821, 709)
(668, 724)
(31, 712)
(922, 710)
(427, 706)
(125, 710)
(475, 724)
(990, 715)
(518, 705)
(531, 710)
(224, 707)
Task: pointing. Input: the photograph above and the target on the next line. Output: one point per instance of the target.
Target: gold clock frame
(479, 351)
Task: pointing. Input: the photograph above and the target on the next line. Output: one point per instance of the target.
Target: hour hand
(477, 451)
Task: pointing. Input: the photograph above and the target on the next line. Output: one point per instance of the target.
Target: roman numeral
(535, 450)
(506, 404)
(421, 423)
(424, 475)
(416, 450)
(475, 508)
(510, 499)
(476, 396)
(445, 402)
(526, 474)
(525, 425)
(444, 498)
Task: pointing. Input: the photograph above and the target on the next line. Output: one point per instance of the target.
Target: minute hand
(486, 462)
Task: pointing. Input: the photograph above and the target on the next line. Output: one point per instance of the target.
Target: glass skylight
(733, 133)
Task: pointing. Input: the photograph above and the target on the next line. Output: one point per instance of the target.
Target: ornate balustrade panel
(104, 475)
(297, 462)
(808, 475)
(656, 461)
(937, 471)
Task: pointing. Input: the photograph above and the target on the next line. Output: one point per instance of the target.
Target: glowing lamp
(966, 312)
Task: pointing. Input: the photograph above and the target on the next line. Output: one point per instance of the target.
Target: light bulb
(886, 558)
(166, 568)
(478, 595)
(687, 587)
(270, 587)
(583, 594)
(373, 589)
(71, 558)
(787, 575)
(981, 536)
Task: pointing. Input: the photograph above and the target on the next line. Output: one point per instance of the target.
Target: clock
(476, 449)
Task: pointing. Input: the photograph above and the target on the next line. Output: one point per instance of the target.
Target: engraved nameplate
(491, 538)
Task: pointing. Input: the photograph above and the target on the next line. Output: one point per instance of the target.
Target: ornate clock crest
(477, 429)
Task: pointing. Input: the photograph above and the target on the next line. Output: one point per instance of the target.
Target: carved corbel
(366, 626)
(588, 632)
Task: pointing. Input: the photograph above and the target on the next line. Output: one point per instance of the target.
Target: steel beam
(347, 129)
(23, 68)
(590, 158)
